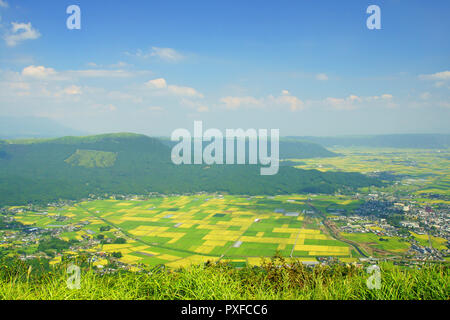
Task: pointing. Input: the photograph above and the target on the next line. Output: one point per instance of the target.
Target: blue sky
(304, 67)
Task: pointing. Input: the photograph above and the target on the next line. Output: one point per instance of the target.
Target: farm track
(296, 239)
(334, 234)
(143, 241)
(319, 214)
(130, 236)
(226, 250)
(160, 246)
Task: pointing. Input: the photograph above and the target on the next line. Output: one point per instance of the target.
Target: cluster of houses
(369, 224)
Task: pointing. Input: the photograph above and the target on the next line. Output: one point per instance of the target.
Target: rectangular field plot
(183, 230)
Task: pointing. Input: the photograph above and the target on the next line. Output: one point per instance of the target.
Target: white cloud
(285, 99)
(161, 86)
(441, 78)
(20, 32)
(385, 96)
(72, 90)
(444, 75)
(99, 73)
(340, 103)
(353, 102)
(159, 83)
(236, 102)
(321, 77)
(38, 72)
(293, 102)
(349, 103)
(165, 54)
(4, 4)
(184, 91)
(354, 98)
(118, 65)
(41, 72)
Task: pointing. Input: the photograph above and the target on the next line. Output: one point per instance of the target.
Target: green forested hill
(290, 148)
(39, 171)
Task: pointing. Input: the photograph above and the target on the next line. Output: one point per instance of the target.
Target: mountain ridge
(38, 172)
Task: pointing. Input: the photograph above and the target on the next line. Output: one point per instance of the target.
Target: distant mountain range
(414, 141)
(33, 127)
(44, 170)
(293, 147)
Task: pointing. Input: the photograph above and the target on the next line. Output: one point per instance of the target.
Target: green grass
(274, 280)
(392, 243)
(92, 159)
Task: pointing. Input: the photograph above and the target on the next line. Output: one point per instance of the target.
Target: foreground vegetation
(275, 279)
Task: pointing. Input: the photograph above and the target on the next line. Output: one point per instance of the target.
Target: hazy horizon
(15, 131)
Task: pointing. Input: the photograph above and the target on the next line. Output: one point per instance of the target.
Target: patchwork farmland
(183, 230)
